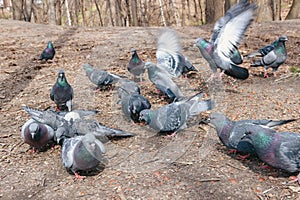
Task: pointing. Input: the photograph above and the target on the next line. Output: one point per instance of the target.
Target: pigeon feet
(78, 177)
(33, 150)
(266, 167)
(232, 151)
(266, 74)
(243, 157)
(295, 179)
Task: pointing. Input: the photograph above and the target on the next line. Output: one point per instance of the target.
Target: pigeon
(128, 87)
(159, 77)
(272, 55)
(77, 114)
(48, 53)
(136, 65)
(82, 153)
(101, 78)
(230, 132)
(169, 57)
(172, 117)
(227, 34)
(76, 126)
(278, 149)
(133, 104)
(62, 93)
(36, 134)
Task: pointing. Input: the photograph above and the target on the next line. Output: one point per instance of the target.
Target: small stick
(209, 179)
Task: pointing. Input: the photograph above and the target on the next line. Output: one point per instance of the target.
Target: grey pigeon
(62, 93)
(272, 55)
(230, 132)
(227, 34)
(169, 57)
(159, 77)
(278, 149)
(76, 126)
(48, 53)
(173, 117)
(82, 153)
(77, 114)
(37, 135)
(132, 104)
(101, 78)
(128, 87)
(136, 65)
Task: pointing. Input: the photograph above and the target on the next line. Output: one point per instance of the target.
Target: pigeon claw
(295, 179)
(78, 177)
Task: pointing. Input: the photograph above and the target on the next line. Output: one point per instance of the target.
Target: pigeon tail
(280, 122)
(251, 55)
(257, 63)
(201, 106)
(237, 72)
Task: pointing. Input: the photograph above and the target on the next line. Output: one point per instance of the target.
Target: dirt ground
(193, 165)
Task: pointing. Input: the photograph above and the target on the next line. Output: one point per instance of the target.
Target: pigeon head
(133, 51)
(149, 65)
(50, 45)
(33, 128)
(283, 38)
(146, 116)
(61, 79)
(202, 43)
(219, 121)
(93, 146)
(88, 68)
(259, 138)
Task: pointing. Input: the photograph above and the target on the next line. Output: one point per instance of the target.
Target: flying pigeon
(272, 55)
(133, 104)
(227, 34)
(169, 57)
(62, 93)
(48, 53)
(136, 65)
(230, 132)
(173, 117)
(278, 149)
(159, 77)
(76, 126)
(128, 87)
(36, 134)
(82, 153)
(99, 77)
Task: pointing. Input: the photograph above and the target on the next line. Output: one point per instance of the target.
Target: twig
(6, 136)
(268, 190)
(209, 179)
(234, 166)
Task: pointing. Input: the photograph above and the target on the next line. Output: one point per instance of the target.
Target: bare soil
(193, 165)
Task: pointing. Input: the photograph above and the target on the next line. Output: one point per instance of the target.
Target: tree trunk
(17, 8)
(176, 15)
(277, 9)
(68, 13)
(265, 11)
(83, 13)
(134, 12)
(182, 12)
(118, 13)
(108, 7)
(162, 13)
(294, 12)
(229, 4)
(128, 18)
(51, 14)
(27, 9)
(58, 12)
(99, 12)
(213, 10)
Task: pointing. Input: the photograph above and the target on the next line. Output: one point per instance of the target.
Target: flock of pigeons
(82, 138)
